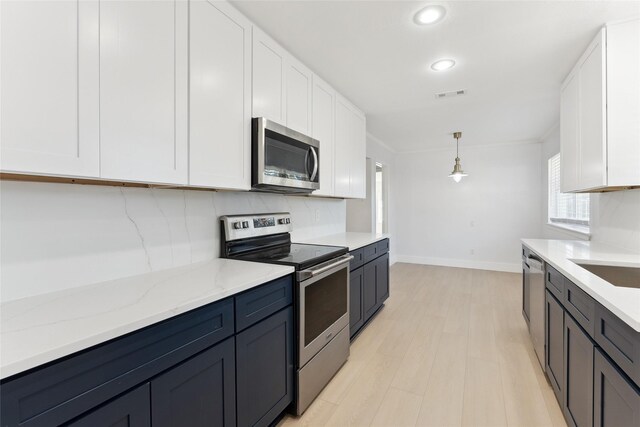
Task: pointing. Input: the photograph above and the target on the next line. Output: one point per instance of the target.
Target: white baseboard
(461, 263)
(392, 258)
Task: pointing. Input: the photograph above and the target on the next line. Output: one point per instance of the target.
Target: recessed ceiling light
(443, 64)
(430, 14)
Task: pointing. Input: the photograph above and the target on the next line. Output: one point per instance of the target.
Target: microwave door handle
(315, 164)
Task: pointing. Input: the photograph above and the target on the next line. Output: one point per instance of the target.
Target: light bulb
(443, 64)
(430, 15)
(457, 177)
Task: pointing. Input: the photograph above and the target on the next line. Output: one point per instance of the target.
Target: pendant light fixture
(457, 173)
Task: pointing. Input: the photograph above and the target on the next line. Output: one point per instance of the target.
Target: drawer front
(56, 393)
(619, 341)
(382, 247)
(525, 252)
(580, 305)
(370, 253)
(261, 302)
(358, 259)
(555, 282)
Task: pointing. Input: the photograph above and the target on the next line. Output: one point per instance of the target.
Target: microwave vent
(451, 94)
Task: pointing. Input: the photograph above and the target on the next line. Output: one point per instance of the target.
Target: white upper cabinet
(143, 91)
(220, 97)
(282, 86)
(350, 151)
(298, 92)
(569, 134)
(49, 88)
(323, 119)
(600, 106)
(268, 78)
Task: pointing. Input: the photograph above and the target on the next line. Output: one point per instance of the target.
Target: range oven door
(282, 159)
(323, 305)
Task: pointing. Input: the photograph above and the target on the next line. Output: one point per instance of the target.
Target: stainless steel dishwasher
(536, 305)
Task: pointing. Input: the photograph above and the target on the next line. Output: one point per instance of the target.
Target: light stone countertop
(351, 240)
(42, 328)
(621, 301)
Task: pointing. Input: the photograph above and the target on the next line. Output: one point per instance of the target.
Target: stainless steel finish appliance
(283, 160)
(537, 305)
(321, 294)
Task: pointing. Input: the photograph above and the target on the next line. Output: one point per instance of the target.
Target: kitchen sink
(622, 276)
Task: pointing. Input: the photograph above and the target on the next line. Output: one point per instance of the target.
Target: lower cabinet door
(356, 309)
(578, 356)
(264, 371)
(369, 291)
(199, 392)
(616, 400)
(132, 409)
(382, 279)
(554, 343)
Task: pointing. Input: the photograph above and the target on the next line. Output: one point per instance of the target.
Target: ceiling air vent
(451, 94)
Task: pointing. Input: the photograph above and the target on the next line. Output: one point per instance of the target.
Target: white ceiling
(511, 58)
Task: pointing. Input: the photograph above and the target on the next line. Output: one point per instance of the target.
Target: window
(566, 209)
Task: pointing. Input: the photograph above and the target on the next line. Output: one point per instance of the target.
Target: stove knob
(245, 224)
(237, 225)
(282, 221)
(288, 220)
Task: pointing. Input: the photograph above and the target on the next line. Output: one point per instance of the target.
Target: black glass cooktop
(298, 255)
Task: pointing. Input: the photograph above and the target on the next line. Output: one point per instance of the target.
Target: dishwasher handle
(535, 263)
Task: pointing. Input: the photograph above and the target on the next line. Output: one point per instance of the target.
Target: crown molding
(549, 131)
(381, 142)
(473, 147)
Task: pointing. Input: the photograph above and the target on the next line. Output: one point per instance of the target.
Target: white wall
(57, 236)
(378, 151)
(615, 216)
(361, 212)
(441, 222)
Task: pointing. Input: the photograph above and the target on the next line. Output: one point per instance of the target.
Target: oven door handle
(324, 267)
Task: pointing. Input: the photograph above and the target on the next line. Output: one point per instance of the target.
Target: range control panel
(243, 226)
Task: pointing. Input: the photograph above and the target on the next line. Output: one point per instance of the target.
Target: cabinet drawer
(555, 282)
(619, 341)
(382, 247)
(259, 303)
(371, 252)
(580, 305)
(58, 392)
(525, 252)
(358, 259)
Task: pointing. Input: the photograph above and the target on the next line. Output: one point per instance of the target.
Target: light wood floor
(450, 347)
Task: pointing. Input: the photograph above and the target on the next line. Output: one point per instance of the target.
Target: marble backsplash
(58, 236)
(615, 219)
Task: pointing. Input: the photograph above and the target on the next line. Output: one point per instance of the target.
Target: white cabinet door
(324, 98)
(592, 118)
(220, 97)
(569, 134)
(358, 169)
(268, 78)
(298, 90)
(343, 151)
(49, 85)
(623, 126)
(143, 90)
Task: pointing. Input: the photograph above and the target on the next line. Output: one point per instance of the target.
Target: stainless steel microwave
(282, 159)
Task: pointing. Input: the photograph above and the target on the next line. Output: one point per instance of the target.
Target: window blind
(565, 208)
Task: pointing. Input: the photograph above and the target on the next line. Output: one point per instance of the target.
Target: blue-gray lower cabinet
(132, 409)
(554, 345)
(264, 369)
(356, 307)
(578, 376)
(616, 399)
(199, 392)
(368, 284)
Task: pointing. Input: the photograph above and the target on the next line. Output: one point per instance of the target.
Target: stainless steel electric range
(321, 293)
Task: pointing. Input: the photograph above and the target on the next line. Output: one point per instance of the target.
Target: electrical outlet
(472, 224)
(472, 252)
(317, 215)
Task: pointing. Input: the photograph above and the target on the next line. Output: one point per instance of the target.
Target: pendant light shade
(457, 174)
